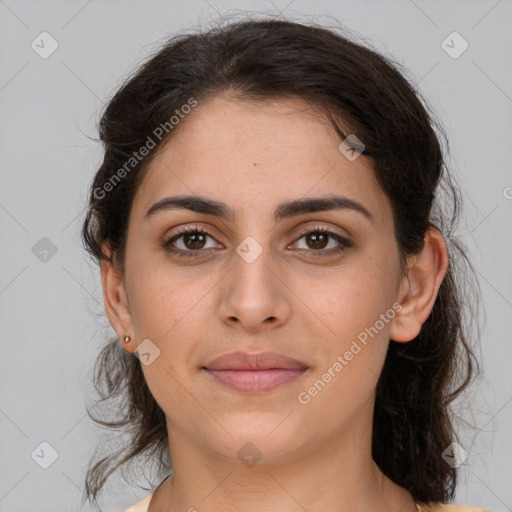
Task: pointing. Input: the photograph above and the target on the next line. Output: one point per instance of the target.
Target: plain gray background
(49, 309)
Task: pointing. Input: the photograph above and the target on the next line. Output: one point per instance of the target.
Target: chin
(261, 435)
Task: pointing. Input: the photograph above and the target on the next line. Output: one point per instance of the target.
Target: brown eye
(318, 239)
(193, 242)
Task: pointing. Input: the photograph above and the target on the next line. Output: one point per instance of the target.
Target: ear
(419, 287)
(116, 300)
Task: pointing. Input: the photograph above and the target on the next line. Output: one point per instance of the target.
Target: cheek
(160, 294)
(155, 305)
(171, 307)
(352, 351)
(354, 296)
(354, 303)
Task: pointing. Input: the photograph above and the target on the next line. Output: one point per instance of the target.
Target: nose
(254, 295)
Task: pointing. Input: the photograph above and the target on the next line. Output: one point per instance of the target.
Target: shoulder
(444, 507)
(142, 505)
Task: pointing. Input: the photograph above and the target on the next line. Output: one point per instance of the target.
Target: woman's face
(253, 282)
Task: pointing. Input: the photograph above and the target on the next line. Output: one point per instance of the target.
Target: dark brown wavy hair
(358, 87)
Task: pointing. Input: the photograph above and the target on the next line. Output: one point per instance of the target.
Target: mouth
(255, 381)
(254, 372)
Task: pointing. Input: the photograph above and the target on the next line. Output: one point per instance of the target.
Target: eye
(317, 239)
(194, 239)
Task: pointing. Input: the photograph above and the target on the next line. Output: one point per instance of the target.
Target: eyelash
(344, 243)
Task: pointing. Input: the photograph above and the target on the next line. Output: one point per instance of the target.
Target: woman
(274, 253)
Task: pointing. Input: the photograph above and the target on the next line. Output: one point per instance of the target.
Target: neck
(332, 477)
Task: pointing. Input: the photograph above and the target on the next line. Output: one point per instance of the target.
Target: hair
(354, 86)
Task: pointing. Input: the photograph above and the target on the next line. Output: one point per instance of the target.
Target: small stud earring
(126, 339)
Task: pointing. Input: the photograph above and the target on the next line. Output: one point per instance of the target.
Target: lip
(254, 372)
(254, 361)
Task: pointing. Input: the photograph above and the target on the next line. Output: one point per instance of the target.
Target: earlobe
(115, 298)
(420, 286)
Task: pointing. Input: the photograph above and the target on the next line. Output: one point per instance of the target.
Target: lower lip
(253, 381)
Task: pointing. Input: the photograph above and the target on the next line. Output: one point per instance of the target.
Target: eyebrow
(284, 210)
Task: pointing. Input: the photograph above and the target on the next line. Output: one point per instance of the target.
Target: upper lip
(253, 361)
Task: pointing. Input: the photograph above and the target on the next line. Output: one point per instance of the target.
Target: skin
(253, 156)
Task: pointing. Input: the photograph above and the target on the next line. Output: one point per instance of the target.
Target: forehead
(253, 155)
